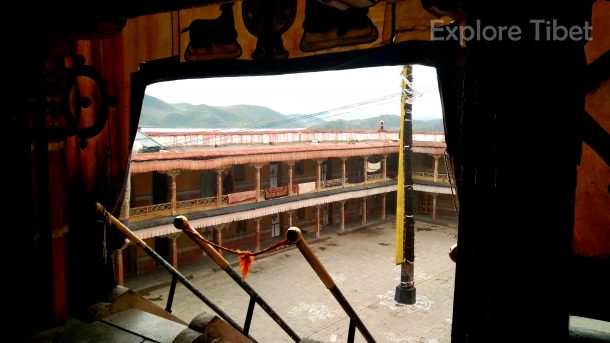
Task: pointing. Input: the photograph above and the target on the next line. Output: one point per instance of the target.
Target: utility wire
(322, 115)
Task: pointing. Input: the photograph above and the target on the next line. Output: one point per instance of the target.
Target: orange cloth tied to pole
(245, 263)
(246, 258)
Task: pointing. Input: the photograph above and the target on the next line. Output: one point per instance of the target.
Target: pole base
(405, 295)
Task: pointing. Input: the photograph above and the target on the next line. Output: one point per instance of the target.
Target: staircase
(133, 318)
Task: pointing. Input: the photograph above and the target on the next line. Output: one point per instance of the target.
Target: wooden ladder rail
(102, 212)
(295, 236)
(181, 223)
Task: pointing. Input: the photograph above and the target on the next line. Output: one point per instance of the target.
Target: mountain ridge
(159, 114)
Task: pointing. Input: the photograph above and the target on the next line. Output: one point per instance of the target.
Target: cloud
(347, 93)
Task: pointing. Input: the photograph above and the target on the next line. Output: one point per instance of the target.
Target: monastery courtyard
(360, 261)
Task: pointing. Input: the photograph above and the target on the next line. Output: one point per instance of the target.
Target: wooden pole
(181, 222)
(295, 236)
(101, 210)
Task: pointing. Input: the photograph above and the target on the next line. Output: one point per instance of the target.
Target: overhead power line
(326, 114)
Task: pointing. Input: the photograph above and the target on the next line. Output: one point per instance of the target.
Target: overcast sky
(349, 93)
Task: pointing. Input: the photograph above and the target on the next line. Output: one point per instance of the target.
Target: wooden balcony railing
(374, 177)
(429, 176)
(201, 204)
(156, 208)
(332, 183)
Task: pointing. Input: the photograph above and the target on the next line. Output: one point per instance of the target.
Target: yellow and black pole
(405, 228)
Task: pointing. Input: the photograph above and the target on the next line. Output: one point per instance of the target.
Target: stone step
(207, 327)
(146, 325)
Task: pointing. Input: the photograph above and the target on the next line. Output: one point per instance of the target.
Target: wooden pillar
(342, 223)
(343, 173)
(318, 226)
(434, 206)
(435, 167)
(290, 218)
(257, 236)
(125, 207)
(172, 174)
(217, 236)
(364, 211)
(218, 187)
(174, 249)
(119, 273)
(385, 168)
(58, 227)
(258, 181)
(319, 175)
(364, 171)
(383, 205)
(290, 168)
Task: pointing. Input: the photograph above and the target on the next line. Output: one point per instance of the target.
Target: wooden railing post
(295, 237)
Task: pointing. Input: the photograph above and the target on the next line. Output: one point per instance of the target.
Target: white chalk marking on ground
(338, 278)
(421, 303)
(393, 337)
(315, 311)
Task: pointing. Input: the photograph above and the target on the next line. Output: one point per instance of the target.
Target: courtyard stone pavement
(361, 263)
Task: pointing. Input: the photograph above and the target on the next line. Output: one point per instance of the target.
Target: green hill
(159, 114)
(156, 113)
(431, 125)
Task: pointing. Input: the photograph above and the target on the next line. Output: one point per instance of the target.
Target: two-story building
(244, 189)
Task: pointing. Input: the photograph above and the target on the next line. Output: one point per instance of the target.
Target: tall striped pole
(405, 232)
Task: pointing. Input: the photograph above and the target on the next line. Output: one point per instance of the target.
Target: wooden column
(173, 249)
(383, 206)
(342, 223)
(319, 175)
(364, 211)
(343, 173)
(257, 177)
(119, 274)
(218, 236)
(318, 226)
(257, 236)
(434, 205)
(172, 174)
(435, 167)
(218, 187)
(290, 218)
(290, 169)
(58, 226)
(364, 171)
(385, 168)
(125, 207)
